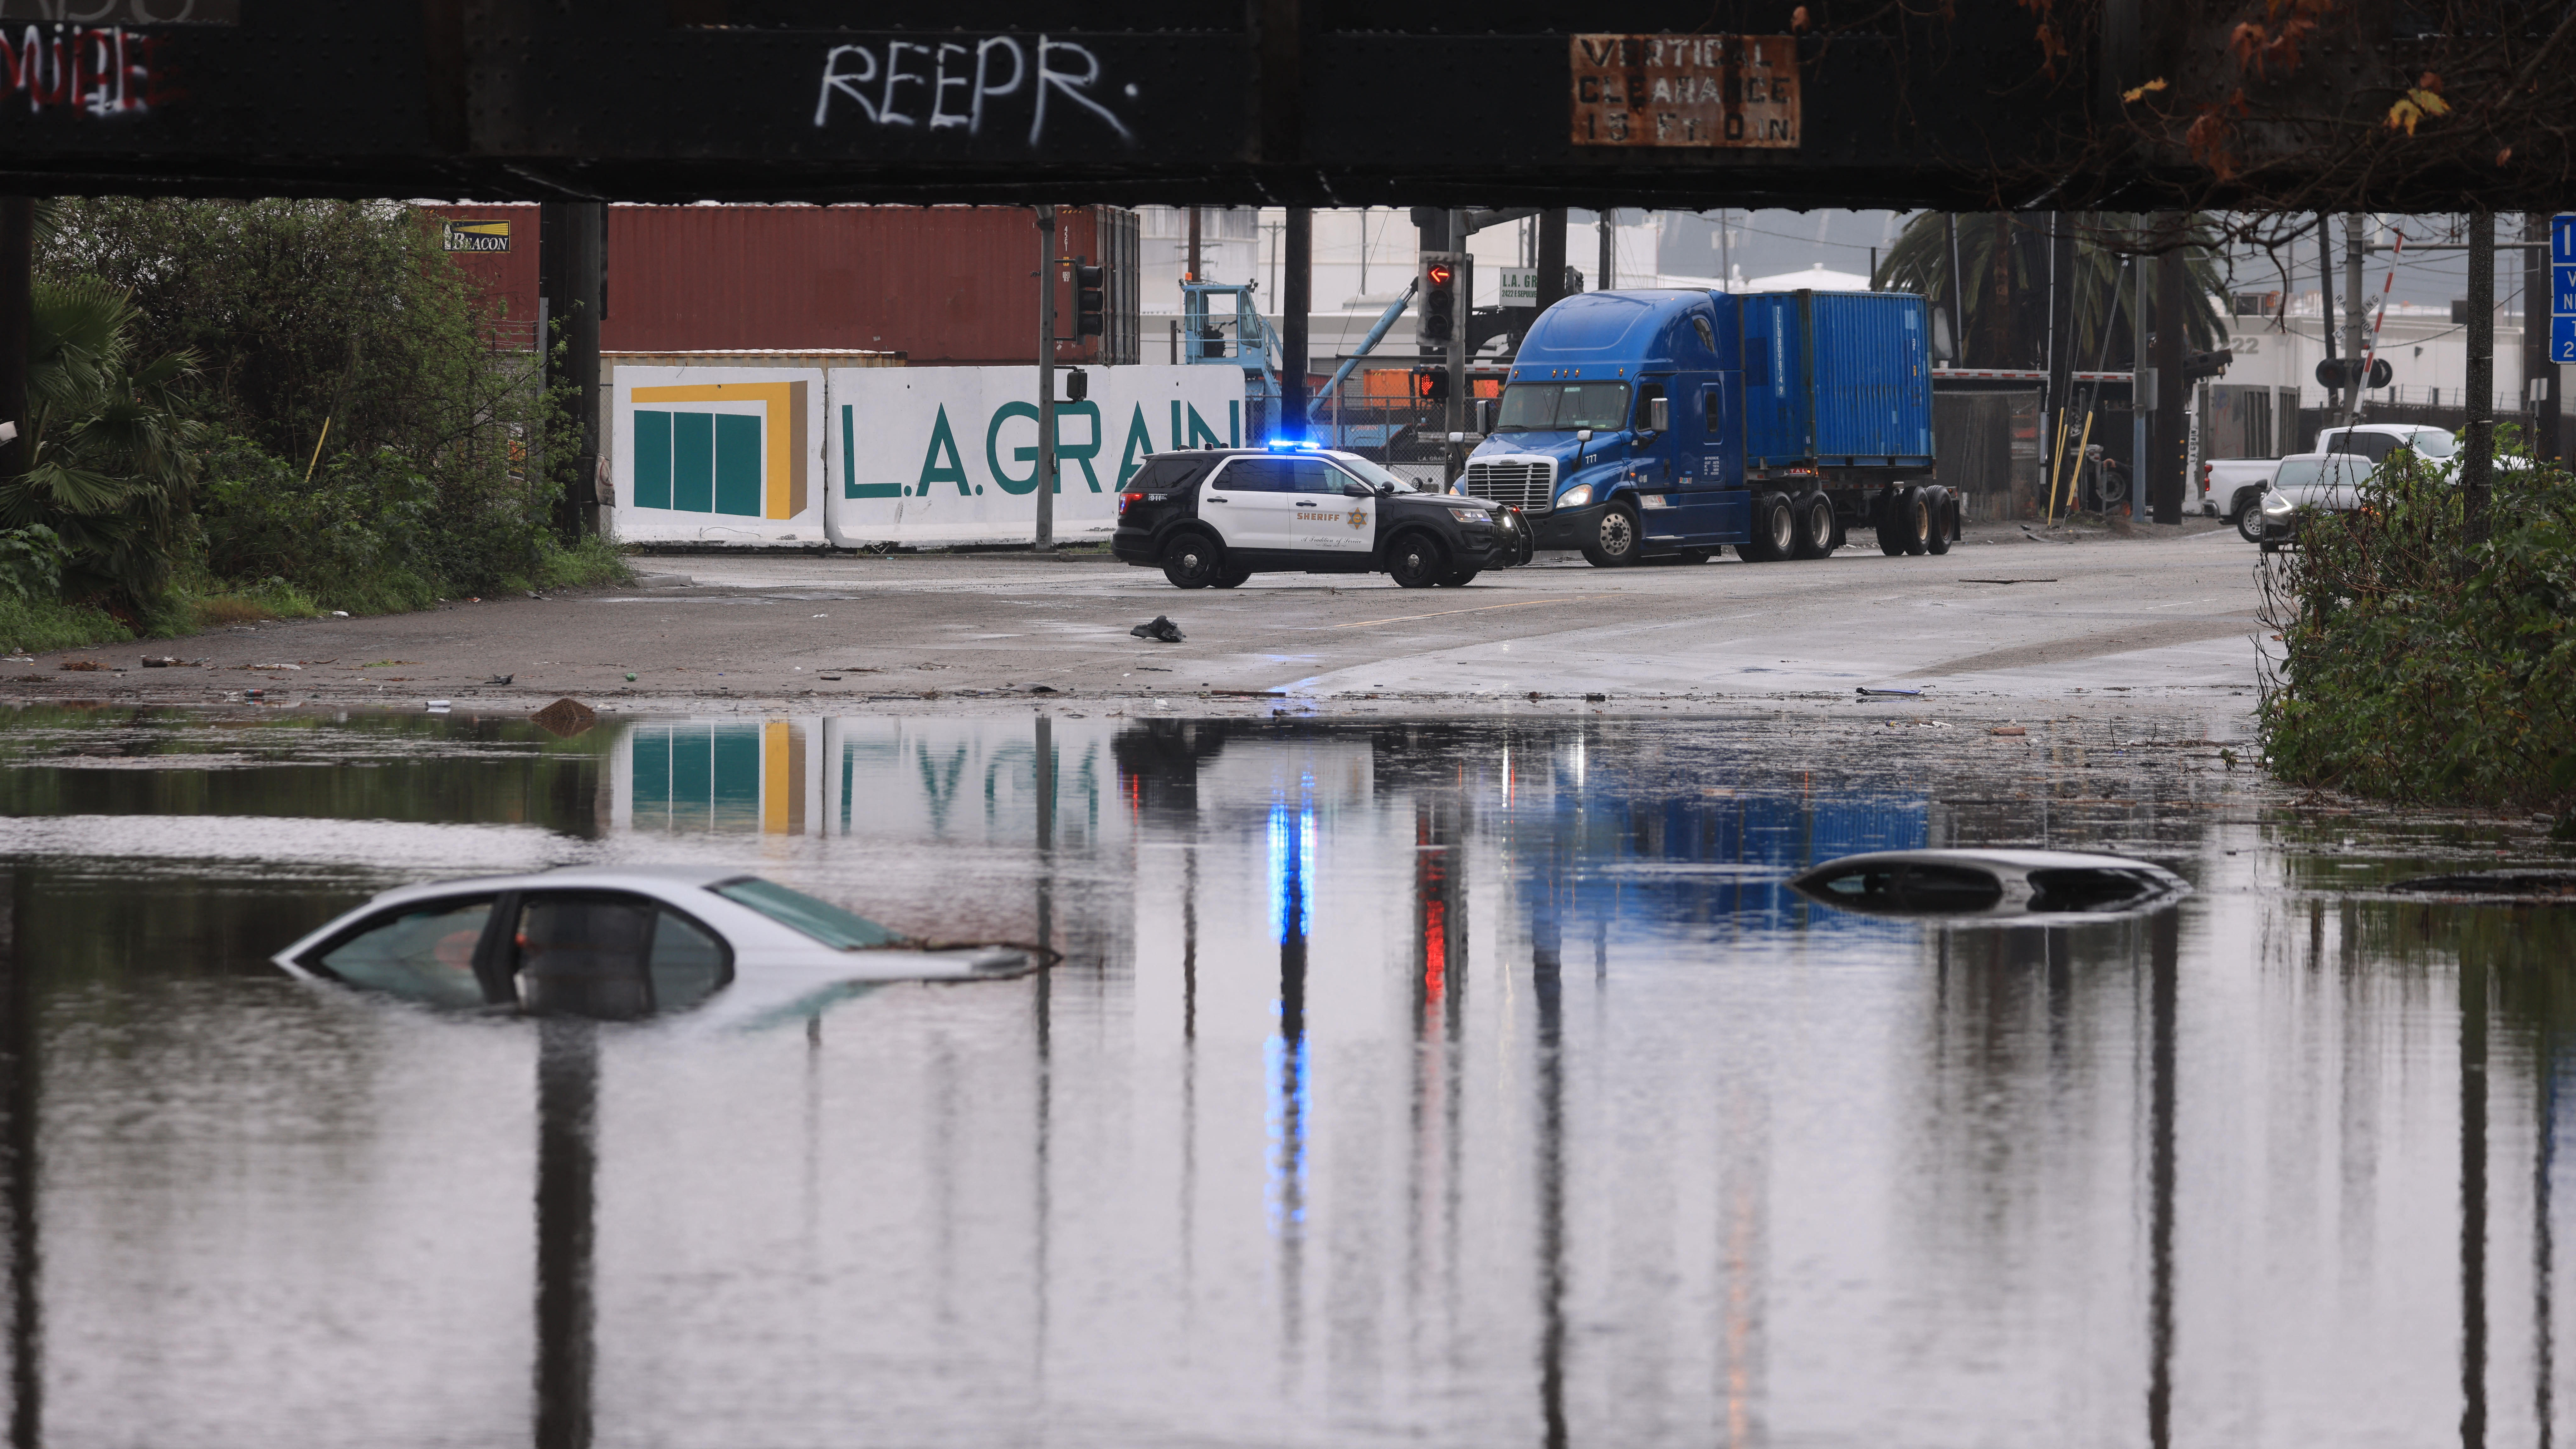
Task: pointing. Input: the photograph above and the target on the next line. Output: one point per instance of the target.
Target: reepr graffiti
(104, 72)
(932, 86)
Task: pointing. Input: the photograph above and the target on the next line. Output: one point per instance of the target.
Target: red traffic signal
(1440, 273)
(1431, 384)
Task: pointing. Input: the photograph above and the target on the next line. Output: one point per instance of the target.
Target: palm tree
(108, 446)
(2002, 261)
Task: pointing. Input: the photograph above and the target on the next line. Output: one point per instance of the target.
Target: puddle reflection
(1450, 1083)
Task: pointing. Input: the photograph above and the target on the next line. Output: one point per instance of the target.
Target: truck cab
(1665, 424)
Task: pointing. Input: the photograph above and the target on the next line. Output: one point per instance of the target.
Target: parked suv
(1215, 517)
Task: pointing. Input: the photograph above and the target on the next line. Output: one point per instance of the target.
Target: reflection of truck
(1663, 424)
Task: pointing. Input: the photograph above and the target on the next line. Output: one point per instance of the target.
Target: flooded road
(1403, 1082)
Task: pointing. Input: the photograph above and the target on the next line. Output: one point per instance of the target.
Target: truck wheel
(1193, 561)
(1891, 526)
(2249, 517)
(1459, 578)
(1814, 513)
(1417, 561)
(1772, 531)
(1615, 542)
(1945, 520)
(1914, 518)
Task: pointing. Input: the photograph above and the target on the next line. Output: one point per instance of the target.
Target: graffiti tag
(932, 86)
(104, 72)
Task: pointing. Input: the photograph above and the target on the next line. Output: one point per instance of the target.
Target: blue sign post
(2562, 287)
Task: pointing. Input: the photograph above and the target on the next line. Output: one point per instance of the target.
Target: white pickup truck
(2231, 487)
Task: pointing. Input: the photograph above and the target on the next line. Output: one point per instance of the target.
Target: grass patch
(39, 625)
(216, 605)
(590, 563)
(2419, 666)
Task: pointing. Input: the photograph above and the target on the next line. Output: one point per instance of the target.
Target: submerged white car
(622, 943)
(1995, 885)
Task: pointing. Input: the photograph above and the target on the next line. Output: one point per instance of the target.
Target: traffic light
(1090, 300)
(2341, 371)
(1439, 297)
(1431, 384)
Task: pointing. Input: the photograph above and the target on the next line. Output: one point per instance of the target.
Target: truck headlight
(1575, 497)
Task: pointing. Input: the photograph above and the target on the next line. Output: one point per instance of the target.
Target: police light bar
(1288, 445)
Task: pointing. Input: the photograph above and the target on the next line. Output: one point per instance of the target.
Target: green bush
(2419, 666)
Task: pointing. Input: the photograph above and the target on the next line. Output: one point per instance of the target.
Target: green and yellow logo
(743, 464)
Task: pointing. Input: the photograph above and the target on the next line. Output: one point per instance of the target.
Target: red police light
(1440, 273)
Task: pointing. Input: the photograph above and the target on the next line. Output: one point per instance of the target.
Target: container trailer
(1662, 425)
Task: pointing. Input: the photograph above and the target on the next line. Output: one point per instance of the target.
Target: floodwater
(1421, 1083)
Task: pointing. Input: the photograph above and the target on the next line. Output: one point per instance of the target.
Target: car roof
(1222, 453)
(633, 877)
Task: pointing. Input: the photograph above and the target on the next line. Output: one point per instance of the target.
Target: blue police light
(1294, 445)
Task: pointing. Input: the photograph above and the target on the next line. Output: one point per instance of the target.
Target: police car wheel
(1193, 561)
(1417, 561)
(1458, 578)
(1230, 578)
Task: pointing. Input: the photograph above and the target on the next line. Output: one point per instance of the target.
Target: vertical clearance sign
(1733, 91)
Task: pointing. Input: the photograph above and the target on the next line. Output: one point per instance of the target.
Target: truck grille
(1528, 484)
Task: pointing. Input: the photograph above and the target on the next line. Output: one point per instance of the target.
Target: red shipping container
(947, 285)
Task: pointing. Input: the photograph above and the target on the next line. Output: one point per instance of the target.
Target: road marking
(1480, 608)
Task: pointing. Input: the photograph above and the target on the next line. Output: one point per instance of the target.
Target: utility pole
(2355, 247)
(2326, 307)
(1045, 541)
(2166, 482)
(2057, 422)
(1609, 252)
(2139, 365)
(1551, 258)
(571, 236)
(17, 302)
(2477, 463)
(1193, 274)
(2539, 375)
(1466, 286)
(1295, 304)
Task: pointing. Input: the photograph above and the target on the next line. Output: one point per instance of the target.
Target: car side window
(1313, 477)
(1712, 404)
(610, 955)
(422, 952)
(1254, 475)
(1166, 475)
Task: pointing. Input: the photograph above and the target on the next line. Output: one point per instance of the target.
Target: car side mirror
(1386, 490)
(1659, 414)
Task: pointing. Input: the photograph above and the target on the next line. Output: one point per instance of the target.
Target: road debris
(81, 666)
(1870, 693)
(500, 679)
(1159, 627)
(2010, 729)
(160, 661)
(566, 718)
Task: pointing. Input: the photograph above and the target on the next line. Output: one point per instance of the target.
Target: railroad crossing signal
(1439, 296)
(2562, 287)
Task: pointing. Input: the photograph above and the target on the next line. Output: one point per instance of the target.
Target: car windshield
(1542, 407)
(825, 922)
(1373, 475)
(2433, 442)
(2296, 472)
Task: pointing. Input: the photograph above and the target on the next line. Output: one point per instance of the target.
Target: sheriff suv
(1215, 517)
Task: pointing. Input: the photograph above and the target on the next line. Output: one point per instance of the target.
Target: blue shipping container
(1837, 379)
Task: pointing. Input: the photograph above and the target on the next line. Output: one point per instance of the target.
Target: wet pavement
(2001, 623)
(1456, 1081)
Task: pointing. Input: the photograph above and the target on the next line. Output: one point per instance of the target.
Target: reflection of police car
(1216, 517)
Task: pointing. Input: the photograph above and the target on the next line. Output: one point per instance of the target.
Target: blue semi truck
(1661, 425)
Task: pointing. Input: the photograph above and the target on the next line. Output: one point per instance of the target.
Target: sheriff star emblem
(1359, 518)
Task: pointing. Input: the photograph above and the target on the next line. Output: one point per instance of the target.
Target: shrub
(2419, 666)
